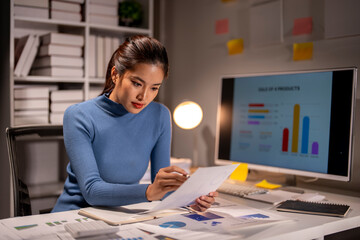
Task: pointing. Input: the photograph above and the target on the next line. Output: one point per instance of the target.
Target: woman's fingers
(204, 202)
(166, 180)
(174, 169)
(172, 175)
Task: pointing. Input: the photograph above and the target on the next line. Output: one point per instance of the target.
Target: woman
(110, 139)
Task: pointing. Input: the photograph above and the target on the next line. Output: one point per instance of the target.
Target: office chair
(21, 196)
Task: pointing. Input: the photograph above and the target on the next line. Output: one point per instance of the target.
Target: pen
(259, 192)
(191, 210)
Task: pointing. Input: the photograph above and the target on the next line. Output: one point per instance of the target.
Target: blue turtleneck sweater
(109, 151)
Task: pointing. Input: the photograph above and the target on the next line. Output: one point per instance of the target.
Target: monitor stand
(290, 185)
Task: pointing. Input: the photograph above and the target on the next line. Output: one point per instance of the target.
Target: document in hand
(203, 181)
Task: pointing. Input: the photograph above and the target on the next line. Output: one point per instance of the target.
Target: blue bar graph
(257, 116)
(305, 135)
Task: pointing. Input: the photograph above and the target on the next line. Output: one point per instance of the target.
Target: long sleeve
(160, 156)
(78, 134)
(109, 151)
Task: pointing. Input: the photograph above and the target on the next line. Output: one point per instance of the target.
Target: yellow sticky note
(302, 51)
(266, 184)
(240, 173)
(235, 46)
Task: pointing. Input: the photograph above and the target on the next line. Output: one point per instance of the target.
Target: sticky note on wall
(235, 46)
(302, 26)
(222, 26)
(302, 51)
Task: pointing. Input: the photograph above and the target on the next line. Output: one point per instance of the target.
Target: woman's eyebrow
(141, 80)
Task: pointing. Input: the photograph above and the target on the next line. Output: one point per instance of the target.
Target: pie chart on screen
(174, 224)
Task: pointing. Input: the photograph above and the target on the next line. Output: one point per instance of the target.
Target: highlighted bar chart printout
(297, 131)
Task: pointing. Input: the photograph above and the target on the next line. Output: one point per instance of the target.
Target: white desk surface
(305, 226)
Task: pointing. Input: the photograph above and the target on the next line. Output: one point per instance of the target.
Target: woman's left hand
(204, 202)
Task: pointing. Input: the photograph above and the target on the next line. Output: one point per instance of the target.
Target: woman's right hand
(166, 180)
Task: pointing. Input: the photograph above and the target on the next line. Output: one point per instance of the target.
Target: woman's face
(138, 87)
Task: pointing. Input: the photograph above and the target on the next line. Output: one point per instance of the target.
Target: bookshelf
(23, 25)
(49, 180)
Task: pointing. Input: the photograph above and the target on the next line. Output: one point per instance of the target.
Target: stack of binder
(103, 12)
(31, 105)
(70, 10)
(101, 49)
(59, 55)
(25, 52)
(31, 8)
(60, 100)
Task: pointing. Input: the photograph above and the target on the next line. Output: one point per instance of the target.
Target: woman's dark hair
(134, 50)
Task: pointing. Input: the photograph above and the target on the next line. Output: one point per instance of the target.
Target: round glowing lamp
(188, 115)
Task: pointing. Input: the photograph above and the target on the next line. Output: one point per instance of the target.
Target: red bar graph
(256, 104)
(285, 142)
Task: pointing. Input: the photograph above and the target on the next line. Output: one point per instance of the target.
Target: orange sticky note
(302, 51)
(266, 184)
(240, 173)
(302, 26)
(222, 26)
(235, 46)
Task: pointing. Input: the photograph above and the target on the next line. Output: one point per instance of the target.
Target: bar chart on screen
(283, 122)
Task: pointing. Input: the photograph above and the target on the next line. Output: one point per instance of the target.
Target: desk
(305, 226)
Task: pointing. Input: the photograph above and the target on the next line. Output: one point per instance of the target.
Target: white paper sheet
(203, 181)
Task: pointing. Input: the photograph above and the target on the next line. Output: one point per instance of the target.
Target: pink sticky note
(302, 26)
(222, 26)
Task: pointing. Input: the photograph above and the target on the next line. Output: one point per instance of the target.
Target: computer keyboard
(239, 189)
(87, 229)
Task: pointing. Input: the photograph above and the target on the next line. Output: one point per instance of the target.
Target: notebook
(128, 214)
(319, 208)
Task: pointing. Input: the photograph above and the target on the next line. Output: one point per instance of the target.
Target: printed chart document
(203, 181)
(41, 226)
(224, 220)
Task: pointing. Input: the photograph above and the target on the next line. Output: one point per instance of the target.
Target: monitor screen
(296, 122)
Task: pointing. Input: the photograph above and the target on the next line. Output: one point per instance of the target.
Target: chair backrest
(21, 198)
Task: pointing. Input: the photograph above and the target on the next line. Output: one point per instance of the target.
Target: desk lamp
(188, 115)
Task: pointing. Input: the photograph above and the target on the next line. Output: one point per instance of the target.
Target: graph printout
(282, 120)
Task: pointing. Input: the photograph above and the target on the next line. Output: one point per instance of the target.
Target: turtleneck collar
(110, 106)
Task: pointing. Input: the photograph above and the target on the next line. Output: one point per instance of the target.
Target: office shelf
(48, 79)
(22, 26)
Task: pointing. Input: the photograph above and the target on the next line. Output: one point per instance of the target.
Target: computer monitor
(298, 123)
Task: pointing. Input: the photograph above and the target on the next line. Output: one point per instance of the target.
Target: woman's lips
(137, 105)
